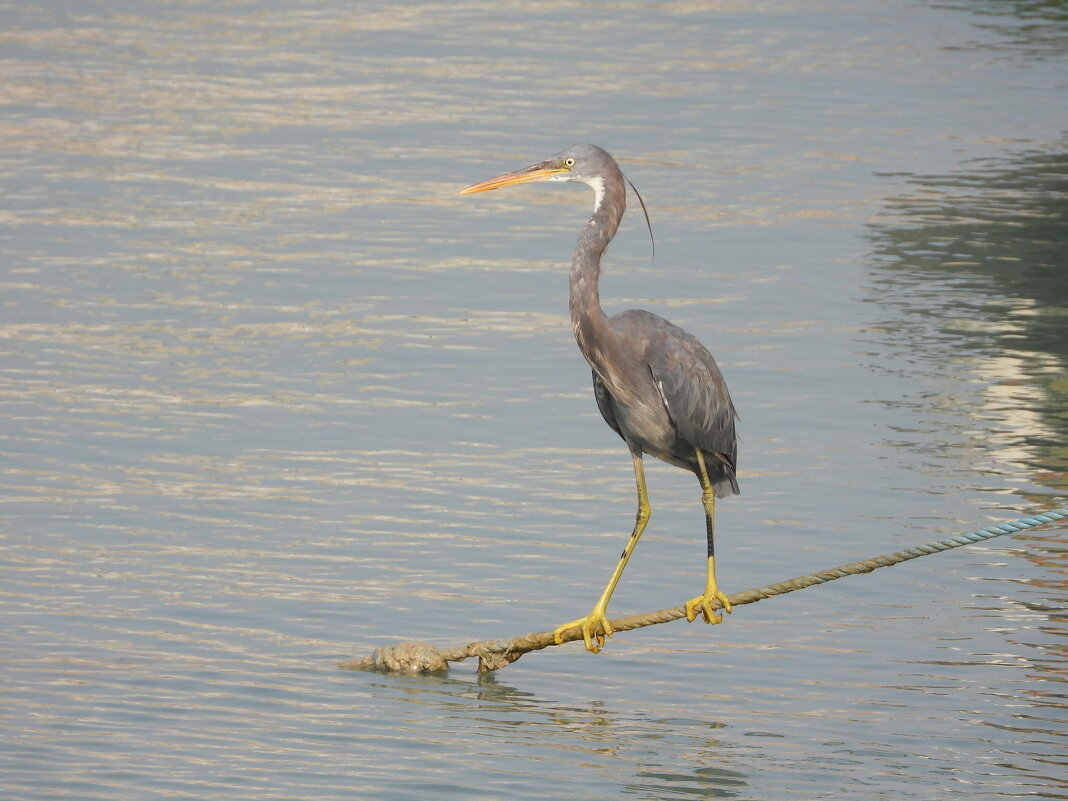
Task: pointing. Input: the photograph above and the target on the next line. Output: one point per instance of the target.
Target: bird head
(587, 164)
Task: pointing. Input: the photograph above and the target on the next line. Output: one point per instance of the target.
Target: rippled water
(272, 395)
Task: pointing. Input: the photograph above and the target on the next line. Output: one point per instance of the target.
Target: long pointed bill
(523, 176)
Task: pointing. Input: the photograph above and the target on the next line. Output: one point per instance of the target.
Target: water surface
(272, 395)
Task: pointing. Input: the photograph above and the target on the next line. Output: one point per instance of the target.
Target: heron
(655, 384)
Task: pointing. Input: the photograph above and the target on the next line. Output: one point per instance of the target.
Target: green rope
(415, 657)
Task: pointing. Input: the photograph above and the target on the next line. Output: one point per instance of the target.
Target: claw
(709, 614)
(596, 619)
(711, 594)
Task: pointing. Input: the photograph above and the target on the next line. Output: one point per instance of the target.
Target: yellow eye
(569, 162)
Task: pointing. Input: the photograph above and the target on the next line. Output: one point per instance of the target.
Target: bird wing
(694, 391)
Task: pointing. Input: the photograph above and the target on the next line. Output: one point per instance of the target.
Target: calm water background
(272, 394)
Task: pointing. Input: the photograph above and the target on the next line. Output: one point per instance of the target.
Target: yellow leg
(712, 592)
(595, 625)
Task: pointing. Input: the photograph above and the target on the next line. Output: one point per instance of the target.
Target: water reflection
(658, 758)
(970, 283)
(1031, 29)
(972, 268)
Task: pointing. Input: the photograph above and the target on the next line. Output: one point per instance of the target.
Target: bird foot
(709, 614)
(595, 626)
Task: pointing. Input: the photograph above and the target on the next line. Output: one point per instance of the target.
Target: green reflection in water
(976, 262)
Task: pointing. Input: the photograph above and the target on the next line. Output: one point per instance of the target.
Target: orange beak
(539, 172)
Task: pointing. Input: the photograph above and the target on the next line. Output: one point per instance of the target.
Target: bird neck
(587, 317)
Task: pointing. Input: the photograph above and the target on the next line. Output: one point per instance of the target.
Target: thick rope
(416, 657)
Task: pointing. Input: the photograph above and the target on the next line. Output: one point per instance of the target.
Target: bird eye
(569, 162)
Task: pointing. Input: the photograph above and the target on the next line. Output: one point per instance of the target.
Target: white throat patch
(597, 185)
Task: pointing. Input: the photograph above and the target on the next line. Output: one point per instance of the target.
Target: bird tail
(726, 486)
